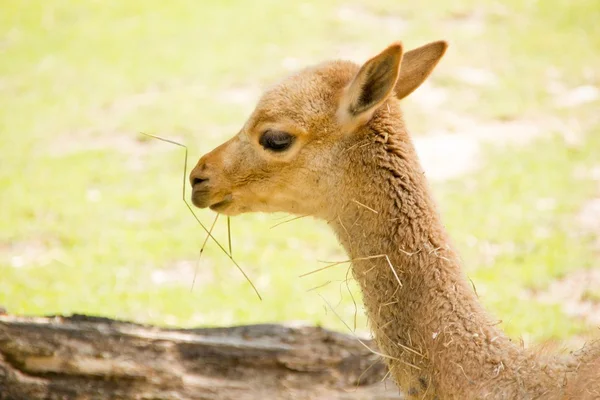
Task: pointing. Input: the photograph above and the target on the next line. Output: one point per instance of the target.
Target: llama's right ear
(371, 86)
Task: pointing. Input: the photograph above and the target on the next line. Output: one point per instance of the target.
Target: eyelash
(276, 141)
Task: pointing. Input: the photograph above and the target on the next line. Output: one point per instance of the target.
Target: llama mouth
(200, 198)
(221, 205)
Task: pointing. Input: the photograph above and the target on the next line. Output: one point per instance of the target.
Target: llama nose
(197, 181)
(198, 174)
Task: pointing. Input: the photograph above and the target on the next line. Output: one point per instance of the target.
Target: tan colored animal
(330, 142)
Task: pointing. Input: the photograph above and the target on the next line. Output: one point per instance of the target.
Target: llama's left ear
(371, 86)
(416, 66)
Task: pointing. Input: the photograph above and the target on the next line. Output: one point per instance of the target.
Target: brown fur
(353, 164)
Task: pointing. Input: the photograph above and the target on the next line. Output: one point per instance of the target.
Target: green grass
(91, 211)
(519, 232)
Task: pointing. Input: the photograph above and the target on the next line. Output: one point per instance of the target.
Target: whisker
(194, 214)
(352, 297)
(319, 287)
(289, 220)
(229, 234)
(202, 251)
(280, 217)
(365, 206)
(324, 268)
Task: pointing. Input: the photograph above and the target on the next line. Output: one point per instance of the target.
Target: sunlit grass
(91, 216)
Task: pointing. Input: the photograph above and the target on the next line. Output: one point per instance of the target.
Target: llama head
(286, 157)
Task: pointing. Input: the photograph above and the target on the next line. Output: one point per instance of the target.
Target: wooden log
(82, 357)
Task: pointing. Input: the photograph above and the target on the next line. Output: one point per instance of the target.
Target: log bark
(83, 357)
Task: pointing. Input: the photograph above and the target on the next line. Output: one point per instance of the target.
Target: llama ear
(416, 66)
(371, 86)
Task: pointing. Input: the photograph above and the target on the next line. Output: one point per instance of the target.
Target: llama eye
(276, 140)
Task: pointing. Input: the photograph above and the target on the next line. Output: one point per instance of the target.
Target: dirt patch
(472, 21)
(132, 144)
(475, 76)
(185, 273)
(577, 96)
(440, 164)
(240, 95)
(454, 145)
(589, 216)
(106, 133)
(453, 141)
(31, 253)
(573, 294)
(355, 15)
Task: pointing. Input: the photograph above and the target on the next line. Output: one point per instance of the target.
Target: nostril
(197, 181)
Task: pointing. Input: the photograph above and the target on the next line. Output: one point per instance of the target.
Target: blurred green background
(91, 216)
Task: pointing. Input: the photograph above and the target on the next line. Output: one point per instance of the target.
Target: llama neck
(423, 313)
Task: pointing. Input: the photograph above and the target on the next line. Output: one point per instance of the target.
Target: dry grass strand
(229, 234)
(210, 235)
(288, 220)
(202, 251)
(363, 343)
(365, 206)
